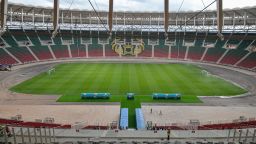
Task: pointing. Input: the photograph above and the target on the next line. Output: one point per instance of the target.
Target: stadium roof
(250, 11)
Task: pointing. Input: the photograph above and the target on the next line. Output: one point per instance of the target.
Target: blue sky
(138, 5)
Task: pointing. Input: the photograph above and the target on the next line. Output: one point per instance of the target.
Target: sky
(139, 5)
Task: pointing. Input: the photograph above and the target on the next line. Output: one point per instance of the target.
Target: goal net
(205, 73)
(50, 71)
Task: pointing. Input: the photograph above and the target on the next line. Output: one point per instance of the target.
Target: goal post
(50, 71)
(205, 73)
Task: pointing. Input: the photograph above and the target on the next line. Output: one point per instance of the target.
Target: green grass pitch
(70, 80)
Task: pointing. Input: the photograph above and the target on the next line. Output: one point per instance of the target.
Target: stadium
(72, 75)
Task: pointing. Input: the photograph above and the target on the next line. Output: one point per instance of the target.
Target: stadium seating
(44, 34)
(148, 48)
(234, 55)
(60, 51)
(109, 52)
(85, 37)
(210, 39)
(233, 50)
(67, 36)
(5, 58)
(57, 39)
(249, 61)
(215, 53)
(200, 38)
(18, 123)
(78, 50)
(161, 50)
(22, 53)
(9, 39)
(178, 52)
(42, 52)
(33, 37)
(19, 34)
(195, 53)
(77, 37)
(189, 38)
(95, 49)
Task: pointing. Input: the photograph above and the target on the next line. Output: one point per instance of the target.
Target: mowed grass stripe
(114, 79)
(134, 80)
(164, 80)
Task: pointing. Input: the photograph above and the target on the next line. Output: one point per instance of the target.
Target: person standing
(168, 134)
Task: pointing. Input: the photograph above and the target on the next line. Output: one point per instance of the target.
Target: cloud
(138, 5)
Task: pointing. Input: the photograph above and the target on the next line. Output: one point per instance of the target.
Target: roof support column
(62, 18)
(110, 16)
(4, 5)
(220, 17)
(234, 20)
(71, 18)
(166, 15)
(204, 19)
(245, 19)
(80, 18)
(11, 14)
(22, 16)
(33, 17)
(43, 16)
(56, 13)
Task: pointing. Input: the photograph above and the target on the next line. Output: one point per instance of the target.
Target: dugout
(130, 96)
(95, 95)
(175, 96)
